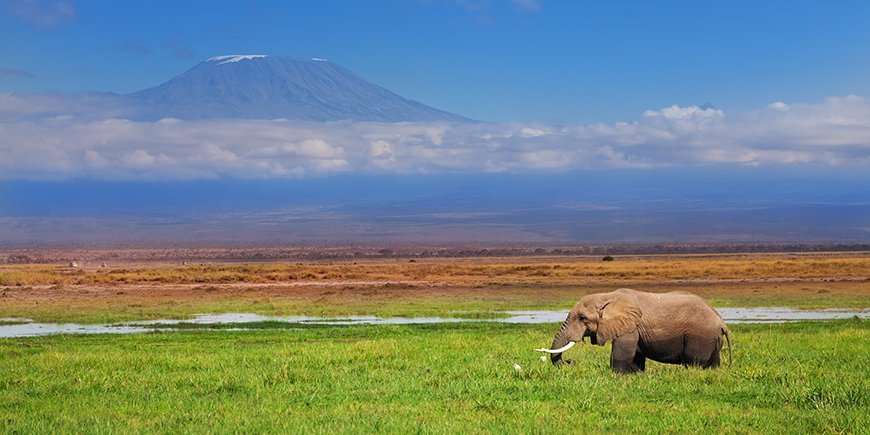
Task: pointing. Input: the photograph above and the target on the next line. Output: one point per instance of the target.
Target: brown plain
(424, 286)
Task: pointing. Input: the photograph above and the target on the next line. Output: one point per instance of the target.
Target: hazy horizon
(692, 205)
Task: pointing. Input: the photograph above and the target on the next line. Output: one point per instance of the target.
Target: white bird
(517, 367)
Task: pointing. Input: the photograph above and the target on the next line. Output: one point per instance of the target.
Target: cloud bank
(84, 136)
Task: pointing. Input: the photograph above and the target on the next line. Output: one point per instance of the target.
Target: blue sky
(500, 61)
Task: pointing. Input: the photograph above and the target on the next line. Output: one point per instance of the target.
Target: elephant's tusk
(559, 350)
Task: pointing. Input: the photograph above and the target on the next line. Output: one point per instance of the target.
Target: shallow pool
(28, 328)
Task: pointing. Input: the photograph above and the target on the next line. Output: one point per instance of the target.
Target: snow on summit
(234, 58)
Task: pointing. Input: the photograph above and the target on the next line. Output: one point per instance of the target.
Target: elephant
(675, 328)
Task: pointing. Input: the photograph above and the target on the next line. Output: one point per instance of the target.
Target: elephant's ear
(619, 315)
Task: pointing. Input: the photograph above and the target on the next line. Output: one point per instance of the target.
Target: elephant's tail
(728, 339)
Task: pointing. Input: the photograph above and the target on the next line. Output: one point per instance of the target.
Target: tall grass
(19, 278)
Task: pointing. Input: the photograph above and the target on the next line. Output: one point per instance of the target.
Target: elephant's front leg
(623, 352)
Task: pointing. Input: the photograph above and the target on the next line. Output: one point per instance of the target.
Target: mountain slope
(269, 87)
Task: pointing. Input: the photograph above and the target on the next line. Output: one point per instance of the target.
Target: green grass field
(787, 378)
(809, 377)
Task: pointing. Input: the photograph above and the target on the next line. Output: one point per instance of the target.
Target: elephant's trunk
(559, 342)
(563, 341)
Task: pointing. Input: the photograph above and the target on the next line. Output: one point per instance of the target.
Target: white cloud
(138, 159)
(94, 159)
(215, 153)
(779, 105)
(531, 132)
(685, 113)
(381, 150)
(38, 140)
(317, 149)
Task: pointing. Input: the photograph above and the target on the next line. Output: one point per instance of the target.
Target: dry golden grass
(506, 271)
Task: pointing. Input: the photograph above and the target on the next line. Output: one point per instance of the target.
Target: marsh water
(27, 328)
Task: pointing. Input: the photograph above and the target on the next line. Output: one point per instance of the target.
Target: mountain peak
(271, 87)
(230, 58)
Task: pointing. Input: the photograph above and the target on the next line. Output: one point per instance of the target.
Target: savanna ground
(793, 378)
(467, 287)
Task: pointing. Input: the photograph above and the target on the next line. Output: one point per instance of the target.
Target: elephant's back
(672, 298)
(678, 313)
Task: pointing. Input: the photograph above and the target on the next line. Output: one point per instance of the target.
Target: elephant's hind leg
(701, 352)
(714, 358)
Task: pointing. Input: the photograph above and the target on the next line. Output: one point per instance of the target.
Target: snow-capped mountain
(269, 87)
